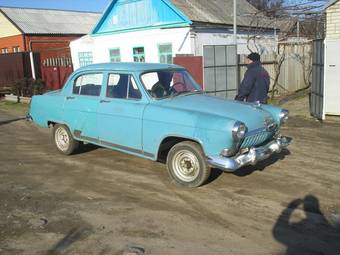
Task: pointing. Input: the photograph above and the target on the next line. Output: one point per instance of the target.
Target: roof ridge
(48, 9)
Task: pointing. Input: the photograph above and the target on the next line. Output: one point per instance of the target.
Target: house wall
(149, 39)
(47, 46)
(333, 21)
(12, 41)
(7, 28)
(50, 46)
(265, 44)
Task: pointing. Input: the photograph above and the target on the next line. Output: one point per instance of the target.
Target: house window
(16, 49)
(85, 58)
(115, 55)
(4, 51)
(165, 53)
(138, 54)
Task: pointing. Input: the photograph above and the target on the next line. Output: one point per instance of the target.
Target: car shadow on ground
(312, 234)
(262, 165)
(4, 122)
(214, 175)
(85, 148)
(247, 170)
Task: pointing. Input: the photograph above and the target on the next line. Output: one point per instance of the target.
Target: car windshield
(169, 83)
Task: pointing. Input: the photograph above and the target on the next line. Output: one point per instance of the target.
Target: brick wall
(333, 21)
(50, 46)
(12, 41)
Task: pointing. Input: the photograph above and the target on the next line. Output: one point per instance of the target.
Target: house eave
(204, 25)
(136, 29)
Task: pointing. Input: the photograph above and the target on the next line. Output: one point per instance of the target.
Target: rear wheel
(187, 165)
(63, 140)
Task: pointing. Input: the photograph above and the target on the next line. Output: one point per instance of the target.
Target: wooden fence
(295, 71)
(16, 66)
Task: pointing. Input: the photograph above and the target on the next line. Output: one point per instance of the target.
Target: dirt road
(101, 202)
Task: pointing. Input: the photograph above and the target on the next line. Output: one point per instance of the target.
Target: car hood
(250, 114)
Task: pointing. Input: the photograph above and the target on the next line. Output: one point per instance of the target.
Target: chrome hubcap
(186, 166)
(62, 139)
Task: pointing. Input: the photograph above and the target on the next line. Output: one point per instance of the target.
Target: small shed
(332, 60)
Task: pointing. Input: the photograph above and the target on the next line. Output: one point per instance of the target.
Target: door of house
(317, 89)
(221, 70)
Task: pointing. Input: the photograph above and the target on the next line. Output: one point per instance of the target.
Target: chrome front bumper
(253, 156)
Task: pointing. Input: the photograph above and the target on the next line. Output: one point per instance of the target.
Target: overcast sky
(81, 5)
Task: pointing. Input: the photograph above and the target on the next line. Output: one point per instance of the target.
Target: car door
(120, 114)
(80, 107)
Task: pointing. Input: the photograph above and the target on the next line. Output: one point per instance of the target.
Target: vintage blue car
(159, 112)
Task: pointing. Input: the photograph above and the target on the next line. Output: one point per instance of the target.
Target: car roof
(129, 67)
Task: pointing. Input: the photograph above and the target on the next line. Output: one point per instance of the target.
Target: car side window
(122, 86)
(88, 84)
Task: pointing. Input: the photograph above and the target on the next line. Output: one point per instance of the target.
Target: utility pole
(298, 28)
(235, 22)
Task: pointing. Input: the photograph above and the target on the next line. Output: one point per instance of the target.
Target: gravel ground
(103, 202)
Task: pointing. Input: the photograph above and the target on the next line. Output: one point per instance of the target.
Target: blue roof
(129, 67)
(127, 15)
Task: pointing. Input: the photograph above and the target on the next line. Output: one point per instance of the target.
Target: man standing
(256, 81)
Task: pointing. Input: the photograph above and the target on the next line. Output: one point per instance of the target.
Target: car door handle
(105, 101)
(70, 98)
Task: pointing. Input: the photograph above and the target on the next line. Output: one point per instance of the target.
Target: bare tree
(270, 8)
(305, 59)
(279, 57)
(292, 19)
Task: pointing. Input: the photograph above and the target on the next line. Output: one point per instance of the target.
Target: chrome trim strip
(255, 132)
(77, 134)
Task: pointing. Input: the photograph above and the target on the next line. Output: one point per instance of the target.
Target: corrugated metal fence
(296, 69)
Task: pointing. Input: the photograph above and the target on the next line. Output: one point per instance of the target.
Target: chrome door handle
(70, 98)
(105, 101)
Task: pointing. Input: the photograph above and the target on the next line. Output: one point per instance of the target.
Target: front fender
(274, 111)
(215, 133)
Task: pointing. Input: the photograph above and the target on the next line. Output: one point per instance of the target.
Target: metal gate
(317, 90)
(221, 70)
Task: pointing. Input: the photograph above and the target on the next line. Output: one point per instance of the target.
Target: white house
(332, 62)
(158, 30)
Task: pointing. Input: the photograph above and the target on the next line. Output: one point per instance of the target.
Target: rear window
(88, 84)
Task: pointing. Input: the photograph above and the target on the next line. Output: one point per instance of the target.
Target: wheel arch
(169, 141)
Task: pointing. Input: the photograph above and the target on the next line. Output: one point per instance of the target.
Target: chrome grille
(256, 139)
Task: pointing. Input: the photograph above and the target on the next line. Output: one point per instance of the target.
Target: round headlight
(239, 131)
(284, 116)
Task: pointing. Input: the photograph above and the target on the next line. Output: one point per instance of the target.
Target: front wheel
(63, 140)
(187, 165)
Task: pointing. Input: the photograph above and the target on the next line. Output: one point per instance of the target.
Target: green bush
(28, 87)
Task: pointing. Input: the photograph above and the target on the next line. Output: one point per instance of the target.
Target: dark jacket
(255, 85)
